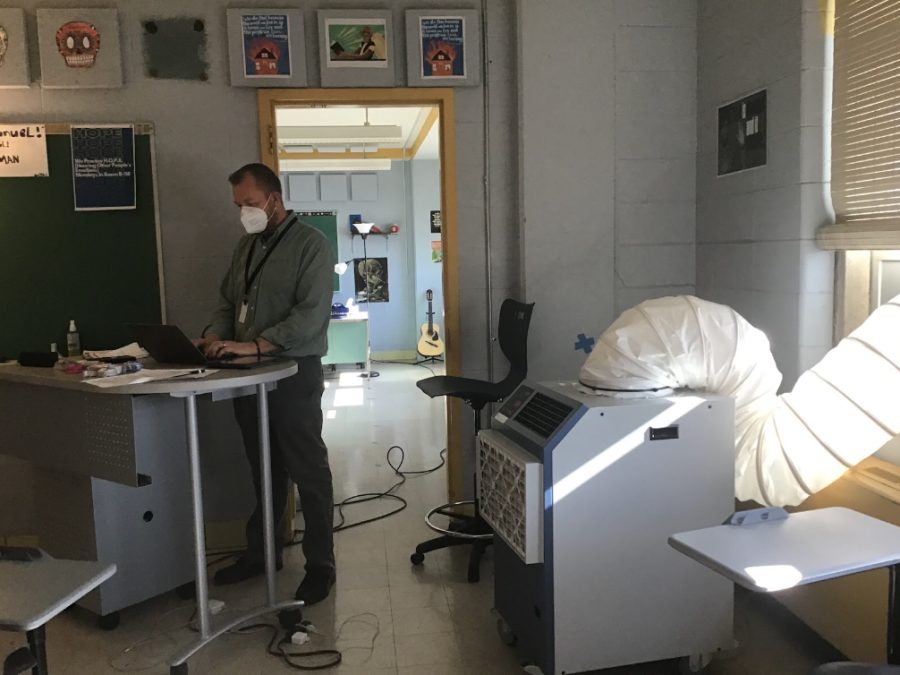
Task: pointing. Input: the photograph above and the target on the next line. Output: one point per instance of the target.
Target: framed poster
(356, 48)
(103, 175)
(443, 47)
(79, 48)
(266, 47)
(742, 134)
(370, 277)
(435, 222)
(13, 49)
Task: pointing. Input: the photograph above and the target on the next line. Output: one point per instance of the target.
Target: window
(865, 182)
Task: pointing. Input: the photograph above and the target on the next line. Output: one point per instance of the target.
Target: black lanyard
(250, 278)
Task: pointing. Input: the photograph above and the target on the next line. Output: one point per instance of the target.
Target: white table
(33, 592)
(801, 549)
(223, 381)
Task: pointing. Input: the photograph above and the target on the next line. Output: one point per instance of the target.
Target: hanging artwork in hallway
(370, 277)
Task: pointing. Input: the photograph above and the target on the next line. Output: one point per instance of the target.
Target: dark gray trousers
(298, 454)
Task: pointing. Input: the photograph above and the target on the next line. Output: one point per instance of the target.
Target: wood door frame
(270, 99)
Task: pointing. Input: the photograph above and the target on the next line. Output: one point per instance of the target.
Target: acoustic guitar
(430, 344)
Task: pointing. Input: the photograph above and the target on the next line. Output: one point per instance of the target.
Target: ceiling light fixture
(335, 135)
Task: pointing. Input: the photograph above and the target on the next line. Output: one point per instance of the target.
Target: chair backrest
(512, 333)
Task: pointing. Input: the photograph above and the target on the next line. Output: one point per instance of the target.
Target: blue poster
(443, 46)
(103, 175)
(267, 45)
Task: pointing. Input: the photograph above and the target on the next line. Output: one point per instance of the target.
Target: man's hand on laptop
(204, 343)
(217, 349)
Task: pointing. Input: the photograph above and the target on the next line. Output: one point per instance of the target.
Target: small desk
(802, 549)
(348, 340)
(32, 593)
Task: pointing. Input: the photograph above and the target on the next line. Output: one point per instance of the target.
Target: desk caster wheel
(505, 632)
(180, 669)
(695, 663)
(109, 621)
(417, 558)
(187, 591)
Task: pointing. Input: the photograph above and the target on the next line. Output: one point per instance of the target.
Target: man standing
(276, 299)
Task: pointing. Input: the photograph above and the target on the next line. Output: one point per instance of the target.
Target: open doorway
(374, 170)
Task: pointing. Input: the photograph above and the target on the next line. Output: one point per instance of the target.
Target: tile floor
(385, 616)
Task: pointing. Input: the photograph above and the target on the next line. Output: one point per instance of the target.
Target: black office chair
(515, 317)
(853, 668)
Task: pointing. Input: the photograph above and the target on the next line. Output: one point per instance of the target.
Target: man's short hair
(264, 176)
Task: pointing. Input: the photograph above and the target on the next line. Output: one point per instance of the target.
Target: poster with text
(103, 174)
(435, 222)
(357, 43)
(267, 45)
(371, 279)
(23, 151)
(742, 134)
(443, 47)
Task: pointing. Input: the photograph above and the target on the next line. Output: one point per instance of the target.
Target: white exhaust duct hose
(786, 447)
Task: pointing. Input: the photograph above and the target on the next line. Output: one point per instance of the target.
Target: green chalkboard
(97, 267)
(326, 223)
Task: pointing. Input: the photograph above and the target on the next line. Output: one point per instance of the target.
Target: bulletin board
(326, 223)
(101, 268)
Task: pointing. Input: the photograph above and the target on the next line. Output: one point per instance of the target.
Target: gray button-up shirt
(289, 301)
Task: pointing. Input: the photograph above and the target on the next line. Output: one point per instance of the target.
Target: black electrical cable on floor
(372, 496)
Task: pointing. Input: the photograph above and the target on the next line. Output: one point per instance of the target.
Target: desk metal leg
(190, 407)
(265, 469)
(893, 619)
(179, 661)
(36, 643)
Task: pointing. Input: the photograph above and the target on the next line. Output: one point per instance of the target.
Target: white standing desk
(802, 549)
(35, 380)
(33, 592)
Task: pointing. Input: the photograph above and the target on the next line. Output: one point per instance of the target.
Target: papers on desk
(150, 376)
(134, 350)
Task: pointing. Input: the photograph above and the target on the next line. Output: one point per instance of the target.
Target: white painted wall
(607, 95)
(756, 229)
(391, 324)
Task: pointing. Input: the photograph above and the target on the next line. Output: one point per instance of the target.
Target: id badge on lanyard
(249, 278)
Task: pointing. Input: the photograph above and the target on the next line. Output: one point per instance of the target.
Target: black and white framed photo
(79, 48)
(356, 48)
(443, 47)
(742, 134)
(266, 47)
(14, 70)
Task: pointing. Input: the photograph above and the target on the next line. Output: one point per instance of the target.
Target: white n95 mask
(255, 219)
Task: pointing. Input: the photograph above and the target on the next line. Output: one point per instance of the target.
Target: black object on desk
(38, 359)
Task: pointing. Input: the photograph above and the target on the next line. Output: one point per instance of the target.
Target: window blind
(865, 181)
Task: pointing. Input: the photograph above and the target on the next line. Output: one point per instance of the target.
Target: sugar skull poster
(79, 48)
(443, 40)
(267, 45)
(13, 49)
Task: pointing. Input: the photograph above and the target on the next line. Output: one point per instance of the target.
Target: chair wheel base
(417, 558)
